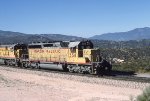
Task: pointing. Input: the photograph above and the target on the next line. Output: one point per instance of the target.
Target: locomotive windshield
(64, 44)
(48, 45)
(34, 46)
(85, 45)
(20, 46)
(81, 45)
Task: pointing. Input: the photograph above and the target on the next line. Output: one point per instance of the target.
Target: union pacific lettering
(46, 51)
(39, 51)
(53, 51)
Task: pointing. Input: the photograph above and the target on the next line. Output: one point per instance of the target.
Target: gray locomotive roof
(54, 44)
(7, 45)
(39, 43)
(73, 44)
(57, 44)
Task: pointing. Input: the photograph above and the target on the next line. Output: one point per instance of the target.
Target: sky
(83, 18)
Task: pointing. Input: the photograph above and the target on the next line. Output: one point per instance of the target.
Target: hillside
(121, 44)
(9, 37)
(136, 34)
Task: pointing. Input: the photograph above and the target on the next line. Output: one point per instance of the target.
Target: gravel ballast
(21, 84)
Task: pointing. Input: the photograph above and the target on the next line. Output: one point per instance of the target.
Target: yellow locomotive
(79, 56)
(11, 54)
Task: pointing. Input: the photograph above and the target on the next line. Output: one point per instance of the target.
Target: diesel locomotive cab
(82, 57)
(12, 54)
(21, 54)
(21, 51)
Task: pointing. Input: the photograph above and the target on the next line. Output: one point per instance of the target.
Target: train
(77, 56)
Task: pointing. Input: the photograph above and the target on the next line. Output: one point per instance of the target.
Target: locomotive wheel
(37, 66)
(8, 63)
(5, 62)
(25, 65)
(65, 69)
(100, 70)
(80, 71)
(71, 70)
(108, 69)
(19, 64)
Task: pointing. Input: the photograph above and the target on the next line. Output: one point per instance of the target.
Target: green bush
(141, 65)
(145, 96)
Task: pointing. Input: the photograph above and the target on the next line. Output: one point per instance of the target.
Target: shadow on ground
(122, 73)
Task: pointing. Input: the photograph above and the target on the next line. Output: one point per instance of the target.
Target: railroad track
(113, 76)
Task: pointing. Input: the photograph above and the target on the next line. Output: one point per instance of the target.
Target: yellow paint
(62, 55)
(6, 53)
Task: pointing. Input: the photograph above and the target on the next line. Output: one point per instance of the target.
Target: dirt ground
(26, 85)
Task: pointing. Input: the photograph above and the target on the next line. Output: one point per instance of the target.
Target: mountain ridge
(135, 34)
(7, 37)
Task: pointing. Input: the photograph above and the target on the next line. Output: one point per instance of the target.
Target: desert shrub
(145, 96)
(135, 59)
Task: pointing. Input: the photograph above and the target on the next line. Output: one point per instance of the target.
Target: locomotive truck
(79, 56)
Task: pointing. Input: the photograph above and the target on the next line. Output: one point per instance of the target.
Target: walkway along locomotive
(79, 56)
